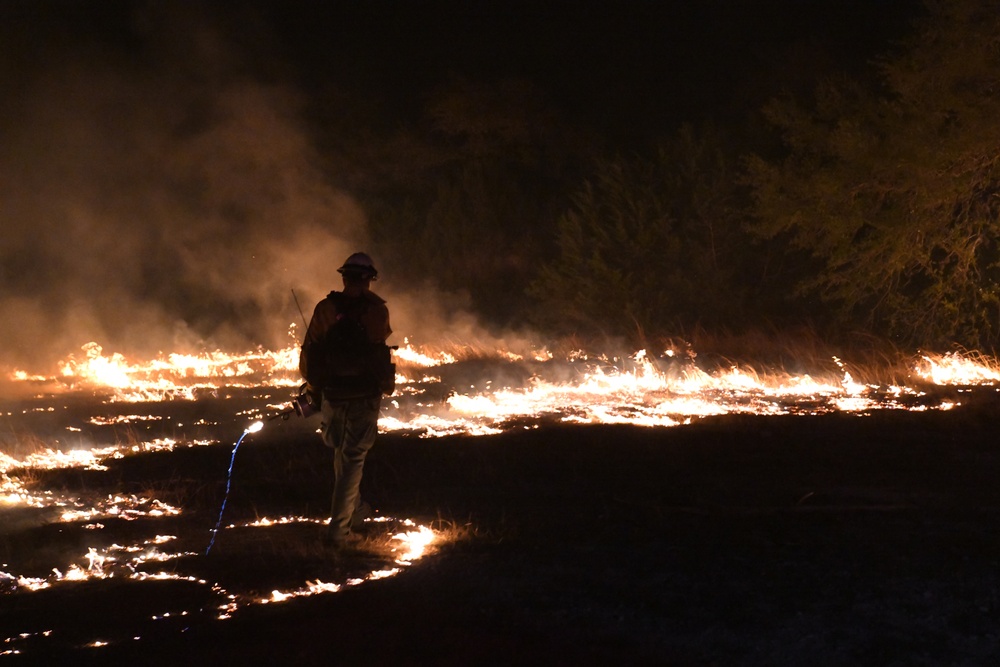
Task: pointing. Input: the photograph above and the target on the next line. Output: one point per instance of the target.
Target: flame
(437, 395)
(578, 388)
(106, 563)
(956, 369)
(407, 353)
(174, 376)
(413, 544)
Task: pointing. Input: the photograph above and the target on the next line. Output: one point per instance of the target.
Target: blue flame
(253, 428)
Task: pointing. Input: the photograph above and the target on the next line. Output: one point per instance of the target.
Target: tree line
(867, 203)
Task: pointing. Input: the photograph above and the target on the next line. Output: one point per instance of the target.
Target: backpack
(345, 363)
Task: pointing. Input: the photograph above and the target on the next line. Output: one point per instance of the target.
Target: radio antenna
(300, 309)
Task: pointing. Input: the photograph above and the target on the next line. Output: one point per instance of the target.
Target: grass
(564, 542)
(597, 524)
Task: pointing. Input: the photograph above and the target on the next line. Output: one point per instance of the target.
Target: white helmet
(359, 263)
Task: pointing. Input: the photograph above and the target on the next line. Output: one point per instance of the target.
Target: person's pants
(349, 428)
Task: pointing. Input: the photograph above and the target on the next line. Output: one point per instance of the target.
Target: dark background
(172, 171)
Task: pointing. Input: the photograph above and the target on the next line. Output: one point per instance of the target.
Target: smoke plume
(161, 192)
(156, 197)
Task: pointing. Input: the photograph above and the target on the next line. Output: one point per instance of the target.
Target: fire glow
(115, 386)
(632, 389)
(174, 376)
(158, 405)
(579, 389)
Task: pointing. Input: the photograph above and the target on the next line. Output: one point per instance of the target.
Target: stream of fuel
(98, 408)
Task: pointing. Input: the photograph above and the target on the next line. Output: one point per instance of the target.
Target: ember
(440, 392)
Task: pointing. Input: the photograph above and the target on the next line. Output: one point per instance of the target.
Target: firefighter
(343, 360)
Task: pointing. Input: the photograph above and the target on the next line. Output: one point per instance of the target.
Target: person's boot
(361, 512)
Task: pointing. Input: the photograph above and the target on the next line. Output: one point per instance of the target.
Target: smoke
(156, 197)
(160, 192)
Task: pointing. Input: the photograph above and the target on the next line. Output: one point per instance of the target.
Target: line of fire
(101, 410)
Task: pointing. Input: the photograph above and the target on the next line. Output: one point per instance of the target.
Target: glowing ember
(121, 507)
(581, 388)
(311, 588)
(437, 395)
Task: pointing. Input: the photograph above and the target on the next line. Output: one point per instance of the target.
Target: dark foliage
(464, 197)
(894, 190)
(652, 245)
(875, 212)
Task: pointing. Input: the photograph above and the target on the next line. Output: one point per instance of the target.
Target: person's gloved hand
(309, 401)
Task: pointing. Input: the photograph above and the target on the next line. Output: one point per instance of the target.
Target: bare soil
(807, 540)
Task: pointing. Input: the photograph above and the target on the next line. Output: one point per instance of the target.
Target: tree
(467, 197)
(895, 191)
(649, 245)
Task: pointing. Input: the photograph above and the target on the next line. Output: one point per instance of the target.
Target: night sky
(625, 66)
(158, 158)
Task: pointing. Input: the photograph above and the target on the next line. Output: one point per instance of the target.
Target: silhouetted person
(345, 359)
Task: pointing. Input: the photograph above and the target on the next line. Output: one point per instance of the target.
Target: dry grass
(802, 351)
(764, 352)
(19, 444)
(569, 543)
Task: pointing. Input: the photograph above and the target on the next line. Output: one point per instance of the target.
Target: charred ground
(822, 540)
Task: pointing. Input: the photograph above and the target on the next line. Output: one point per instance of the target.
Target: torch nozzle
(284, 414)
(304, 405)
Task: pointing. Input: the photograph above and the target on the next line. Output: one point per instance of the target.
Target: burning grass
(112, 488)
(128, 519)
